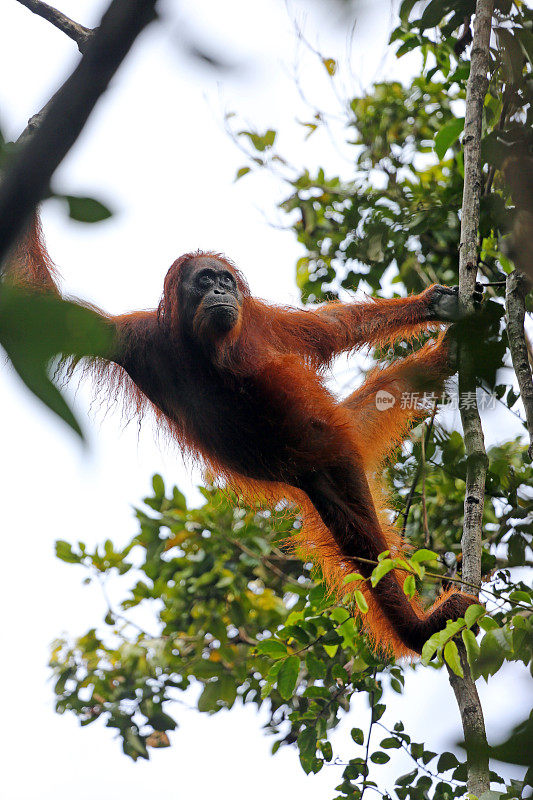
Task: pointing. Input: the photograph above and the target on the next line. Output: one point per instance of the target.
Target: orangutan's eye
(205, 280)
(227, 281)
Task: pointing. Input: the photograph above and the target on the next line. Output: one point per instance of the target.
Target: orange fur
(252, 406)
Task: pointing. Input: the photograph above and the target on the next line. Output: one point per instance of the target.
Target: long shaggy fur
(291, 438)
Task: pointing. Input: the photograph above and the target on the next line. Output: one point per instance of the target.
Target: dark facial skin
(209, 290)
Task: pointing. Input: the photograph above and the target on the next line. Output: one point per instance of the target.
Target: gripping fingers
(444, 302)
(477, 297)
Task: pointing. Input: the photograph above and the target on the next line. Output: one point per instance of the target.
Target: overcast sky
(156, 151)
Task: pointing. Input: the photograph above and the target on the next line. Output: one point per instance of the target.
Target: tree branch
(79, 33)
(473, 432)
(477, 758)
(27, 180)
(465, 688)
(516, 290)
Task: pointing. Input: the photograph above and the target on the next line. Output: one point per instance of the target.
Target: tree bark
(516, 289)
(465, 688)
(74, 30)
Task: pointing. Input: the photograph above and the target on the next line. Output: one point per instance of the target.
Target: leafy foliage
(247, 621)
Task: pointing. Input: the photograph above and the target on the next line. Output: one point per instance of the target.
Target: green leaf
(353, 576)
(327, 750)
(34, 375)
(339, 674)
(433, 13)
(272, 648)
(379, 758)
(307, 742)
(37, 326)
(287, 677)
(488, 623)
(332, 637)
(64, 552)
(381, 570)
(521, 597)
(136, 743)
(448, 135)
(512, 56)
(390, 743)
(241, 172)
(451, 656)
(409, 586)
(319, 596)
(360, 599)
(158, 486)
(208, 700)
(161, 721)
(526, 42)
(315, 666)
(471, 645)
(330, 65)
(429, 649)
(491, 655)
(409, 44)
(307, 748)
(357, 735)
(408, 778)
(271, 678)
(417, 749)
(424, 555)
(86, 209)
(447, 761)
(317, 691)
(473, 613)
(405, 9)
(178, 499)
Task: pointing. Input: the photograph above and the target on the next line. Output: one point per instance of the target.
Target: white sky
(155, 149)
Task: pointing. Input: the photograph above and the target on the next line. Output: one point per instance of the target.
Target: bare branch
(516, 290)
(473, 726)
(27, 180)
(473, 432)
(79, 33)
(464, 688)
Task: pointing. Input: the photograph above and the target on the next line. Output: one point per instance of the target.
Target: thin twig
(405, 512)
(372, 721)
(427, 536)
(74, 30)
(115, 614)
(265, 560)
